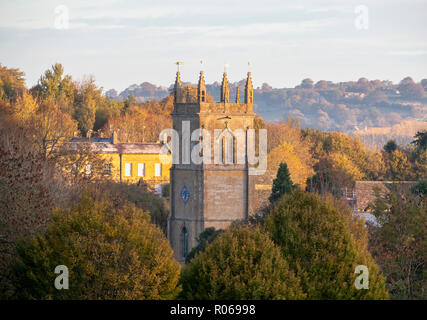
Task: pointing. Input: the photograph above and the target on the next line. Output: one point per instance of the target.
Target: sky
(121, 43)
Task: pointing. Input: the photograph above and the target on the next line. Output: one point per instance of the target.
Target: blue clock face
(185, 194)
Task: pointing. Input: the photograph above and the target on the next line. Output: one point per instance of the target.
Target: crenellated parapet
(194, 99)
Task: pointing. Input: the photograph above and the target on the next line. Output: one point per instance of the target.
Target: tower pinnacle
(249, 90)
(201, 88)
(225, 89)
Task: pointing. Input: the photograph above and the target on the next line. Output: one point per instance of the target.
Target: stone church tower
(208, 193)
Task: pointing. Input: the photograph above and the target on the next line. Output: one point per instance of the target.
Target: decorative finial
(249, 66)
(201, 65)
(178, 63)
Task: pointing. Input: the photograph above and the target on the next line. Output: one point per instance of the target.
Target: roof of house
(104, 145)
(365, 191)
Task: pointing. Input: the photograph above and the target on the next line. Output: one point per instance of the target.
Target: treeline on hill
(304, 245)
(327, 106)
(345, 106)
(83, 104)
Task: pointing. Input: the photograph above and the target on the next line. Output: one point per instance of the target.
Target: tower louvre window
(184, 236)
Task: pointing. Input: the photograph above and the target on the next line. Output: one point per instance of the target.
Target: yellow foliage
(25, 107)
(341, 164)
(299, 168)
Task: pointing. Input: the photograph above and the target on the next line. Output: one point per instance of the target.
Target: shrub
(242, 263)
(111, 253)
(323, 245)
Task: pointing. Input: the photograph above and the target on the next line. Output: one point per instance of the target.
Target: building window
(107, 169)
(158, 170)
(184, 237)
(141, 169)
(88, 169)
(128, 169)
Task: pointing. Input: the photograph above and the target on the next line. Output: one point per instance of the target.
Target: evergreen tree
(207, 236)
(390, 146)
(398, 243)
(324, 244)
(282, 184)
(242, 263)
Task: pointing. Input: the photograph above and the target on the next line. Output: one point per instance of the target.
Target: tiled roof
(104, 145)
(365, 191)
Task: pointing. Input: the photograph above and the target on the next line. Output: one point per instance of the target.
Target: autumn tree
(110, 254)
(12, 83)
(87, 99)
(323, 244)
(56, 87)
(411, 90)
(50, 126)
(29, 189)
(397, 165)
(242, 263)
(121, 194)
(81, 164)
(399, 240)
(142, 122)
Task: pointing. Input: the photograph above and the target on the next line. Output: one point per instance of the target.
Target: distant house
(129, 162)
(365, 193)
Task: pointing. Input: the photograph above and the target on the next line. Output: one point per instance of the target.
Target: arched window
(225, 147)
(203, 95)
(184, 236)
(230, 150)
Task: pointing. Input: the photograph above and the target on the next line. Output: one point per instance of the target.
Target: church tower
(211, 190)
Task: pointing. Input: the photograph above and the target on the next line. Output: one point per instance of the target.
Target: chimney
(114, 138)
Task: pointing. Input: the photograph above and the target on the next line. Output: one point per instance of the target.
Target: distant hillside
(344, 106)
(403, 133)
(142, 92)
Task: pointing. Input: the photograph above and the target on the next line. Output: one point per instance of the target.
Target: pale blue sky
(125, 42)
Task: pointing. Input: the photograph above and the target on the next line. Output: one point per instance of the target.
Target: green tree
(390, 146)
(111, 253)
(420, 187)
(398, 243)
(56, 87)
(323, 244)
(12, 83)
(207, 236)
(88, 99)
(420, 140)
(398, 165)
(242, 263)
(282, 184)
